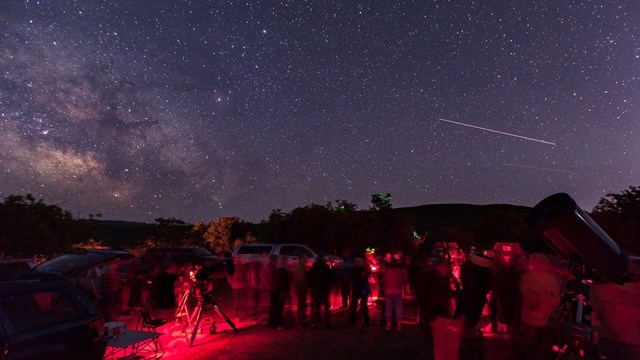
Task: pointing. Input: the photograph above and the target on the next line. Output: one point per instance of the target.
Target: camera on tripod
(593, 255)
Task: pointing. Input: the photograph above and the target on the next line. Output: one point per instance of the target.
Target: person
(475, 278)
(440, 310)
(111, 292)
(265, 282)
(238, 283)
(344, 274)
(320, 287)
(394, 281)
(360, 291)
(301, 283)
(271, 278)
(540, 288)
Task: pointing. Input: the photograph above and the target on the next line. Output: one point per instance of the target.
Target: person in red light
(301, 283)
(394, 281)
(360, 291)
(320, 287)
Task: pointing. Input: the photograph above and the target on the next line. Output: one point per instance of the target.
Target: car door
(44, 321)
(293, 252)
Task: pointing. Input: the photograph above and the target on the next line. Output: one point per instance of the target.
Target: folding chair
(147, 323)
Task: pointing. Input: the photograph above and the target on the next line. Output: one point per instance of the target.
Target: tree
(619, 216)
(168, 232)
(29, 227)
(380, 201)
(219, 235)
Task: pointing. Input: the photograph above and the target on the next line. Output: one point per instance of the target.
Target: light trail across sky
(542, 169)
(497, 132)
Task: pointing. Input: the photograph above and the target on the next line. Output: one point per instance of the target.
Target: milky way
(198, 109)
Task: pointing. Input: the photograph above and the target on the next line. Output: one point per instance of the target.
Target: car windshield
(69, 265)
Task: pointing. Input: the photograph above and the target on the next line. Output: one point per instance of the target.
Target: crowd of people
(457, 302)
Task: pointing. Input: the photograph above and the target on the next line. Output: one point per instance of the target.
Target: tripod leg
(226, 318)
(197, 323)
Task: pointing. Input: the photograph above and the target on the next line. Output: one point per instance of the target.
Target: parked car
(100, 273)
(81, 261)
(290, 253)
(43, 319)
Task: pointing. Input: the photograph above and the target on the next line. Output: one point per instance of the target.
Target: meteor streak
(543, 169)
(497, 132)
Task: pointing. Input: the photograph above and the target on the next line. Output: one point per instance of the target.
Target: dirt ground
(616, 319)
(254, 340)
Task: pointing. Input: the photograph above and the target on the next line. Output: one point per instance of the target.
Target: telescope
(573, 235)
(215, 271)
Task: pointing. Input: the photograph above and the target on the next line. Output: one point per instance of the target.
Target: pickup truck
(291, 253)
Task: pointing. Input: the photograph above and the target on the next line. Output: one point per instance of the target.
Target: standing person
(394, 280)
(475, 278)
(301, 283)
(253, 288)
(111, 292)
(344, 276)
(360, 291)
(440, 310)
(320, 287)
(268, 280)
(265, 282)
(238, 283)
(279, 294)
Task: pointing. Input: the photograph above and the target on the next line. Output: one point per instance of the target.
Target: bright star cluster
(200, 109)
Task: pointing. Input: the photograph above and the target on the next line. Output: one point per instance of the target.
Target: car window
(70, 264)
(254, 250)
(293, 250)
(31, 309)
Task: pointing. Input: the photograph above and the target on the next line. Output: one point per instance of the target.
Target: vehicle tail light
(98, 326)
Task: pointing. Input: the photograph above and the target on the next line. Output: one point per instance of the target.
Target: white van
(290, 252)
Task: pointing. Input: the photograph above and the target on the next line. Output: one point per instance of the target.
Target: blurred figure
(132, 290)
(253, 288)
(238, 284)
(540, 287)
(440, 310)
(279, 285)
(301, 283)
(360, 291)
(111, 292)
(268, 280)
(320, 287)
(475, 276)
(506, 279)
(394, 280)
(344, 275)
(265, 282)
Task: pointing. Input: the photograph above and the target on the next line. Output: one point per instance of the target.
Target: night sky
(200, 109)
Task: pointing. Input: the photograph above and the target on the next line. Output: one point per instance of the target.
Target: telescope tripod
(577, 336)
(204, 300)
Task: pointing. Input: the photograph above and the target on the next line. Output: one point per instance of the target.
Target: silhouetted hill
(459, 213)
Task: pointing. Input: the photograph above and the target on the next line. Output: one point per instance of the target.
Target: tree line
(29, 226)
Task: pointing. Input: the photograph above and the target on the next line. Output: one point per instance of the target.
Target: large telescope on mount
(572, 234)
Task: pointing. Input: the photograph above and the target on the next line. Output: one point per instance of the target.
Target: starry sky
(200, 109)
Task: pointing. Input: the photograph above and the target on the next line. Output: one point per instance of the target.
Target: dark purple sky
(200, 109)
